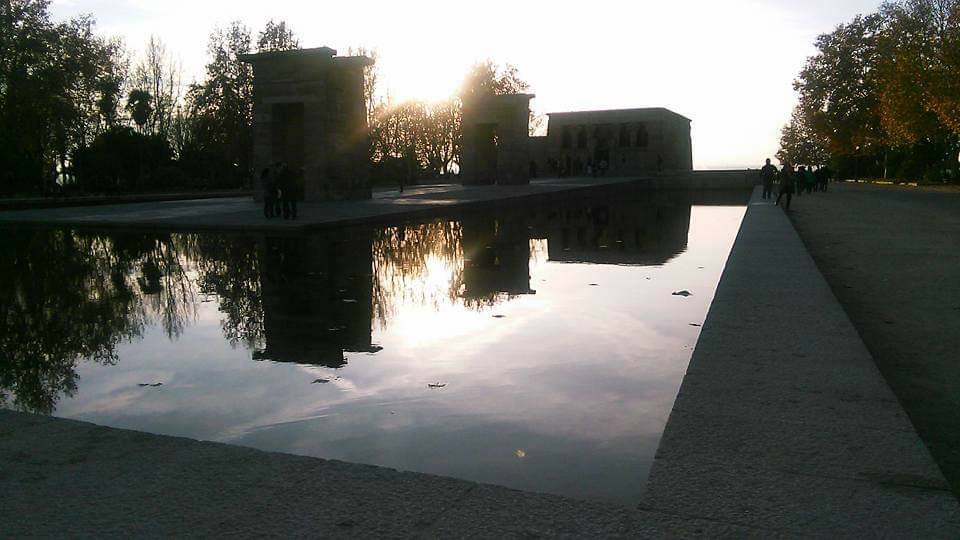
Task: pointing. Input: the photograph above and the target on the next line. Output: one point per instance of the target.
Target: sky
(727, 65)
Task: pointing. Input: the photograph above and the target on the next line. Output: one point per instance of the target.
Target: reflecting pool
(537, 346)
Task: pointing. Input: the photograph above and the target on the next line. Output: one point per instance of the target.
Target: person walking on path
(809, 180)
(767, 174)
(823, 178)
(786, 184)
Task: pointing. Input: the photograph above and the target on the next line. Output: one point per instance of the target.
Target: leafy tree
(882, 95)
(56, 81)
(486, 78)
(371, 75)
(277, 37)
(159, 75)
(222, 110)
(122, 159)
(921, 96)
(140, 106)
(800, 144)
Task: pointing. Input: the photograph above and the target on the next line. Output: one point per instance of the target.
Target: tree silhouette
(277, 37)
(140, 106)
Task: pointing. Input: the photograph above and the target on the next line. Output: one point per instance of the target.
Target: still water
(538, 347)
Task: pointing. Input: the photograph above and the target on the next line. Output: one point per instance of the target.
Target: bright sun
(407, 78)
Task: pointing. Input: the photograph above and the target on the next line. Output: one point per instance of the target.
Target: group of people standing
(280, 191)
(803, 179)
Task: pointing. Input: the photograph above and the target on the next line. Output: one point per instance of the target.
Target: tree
(839, 88)
(882, 92)
(441, 136)
(277, 37)
(140, 107)
(222, 110)
(800, 144)
(920, 100)
(370, 79)
(57, 82)
(160, 75)
(487, 79)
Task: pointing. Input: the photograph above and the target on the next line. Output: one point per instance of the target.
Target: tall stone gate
(309, 112)
(496, 139)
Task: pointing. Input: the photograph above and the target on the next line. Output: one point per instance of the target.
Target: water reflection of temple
(306, 299)
(614, 232)
(322, 294)
(316, 299)
(496, 253)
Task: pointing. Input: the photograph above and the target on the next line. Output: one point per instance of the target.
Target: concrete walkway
(243, 214)
(66, 478)
(783, 420)
(783, 427)
(892, 256)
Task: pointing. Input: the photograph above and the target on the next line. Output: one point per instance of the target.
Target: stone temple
(309, 112)
(630, 141)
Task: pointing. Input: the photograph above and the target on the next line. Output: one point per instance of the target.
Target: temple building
(629, 141)
(309, 113)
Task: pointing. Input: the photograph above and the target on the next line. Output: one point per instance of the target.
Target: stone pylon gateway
(496, 139)
(309, 112)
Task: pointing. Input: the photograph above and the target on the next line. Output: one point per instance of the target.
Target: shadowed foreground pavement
(892, 257)
(66, 478)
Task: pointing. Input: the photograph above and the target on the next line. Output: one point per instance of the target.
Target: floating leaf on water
(683, 293)
(436, 385)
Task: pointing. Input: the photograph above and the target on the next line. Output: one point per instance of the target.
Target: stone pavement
(243, 214)
(783, 420)
(892, 256)
(65, 478)
(775, 432)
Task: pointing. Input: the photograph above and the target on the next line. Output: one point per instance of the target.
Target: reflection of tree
(420, 264)
(66, 296)
(60, 301)
(436, 263)
(229, 267)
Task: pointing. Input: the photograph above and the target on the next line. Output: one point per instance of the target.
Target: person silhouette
(288, 191)
(269, 186)
(767, 174)
(787, 184)
(809, 180)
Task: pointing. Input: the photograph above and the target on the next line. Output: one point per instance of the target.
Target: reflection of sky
(573, 382)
